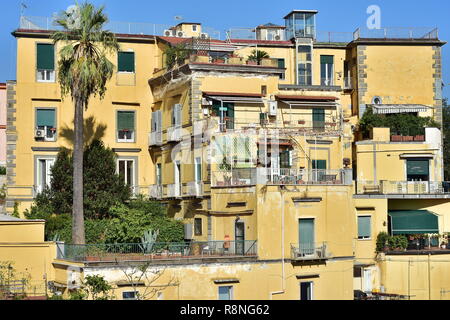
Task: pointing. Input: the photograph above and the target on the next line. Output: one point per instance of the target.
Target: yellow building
(281, 197)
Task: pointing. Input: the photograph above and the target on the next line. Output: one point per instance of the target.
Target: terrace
(403, 189)
(158, 251)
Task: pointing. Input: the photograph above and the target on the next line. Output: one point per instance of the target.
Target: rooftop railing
(239, 177)
(157, 251)
(308, 177)
(412, 33)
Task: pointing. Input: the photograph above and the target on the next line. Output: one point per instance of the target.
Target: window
(45, 124)
(198, 227)
(226, 293)
(377, 100)
(126, 169)
(326, 70)
(45, 66)
(125, 126)
(286, 159)
(126, 62)
(281, 65)
(198, 170)
(43, 172)
(304, 65)
(194, 28)
(306, 290)
(318, 116)
(364, 227)
(129, 295)
(158, 174)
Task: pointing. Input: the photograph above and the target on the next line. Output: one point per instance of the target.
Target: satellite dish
(73, 17)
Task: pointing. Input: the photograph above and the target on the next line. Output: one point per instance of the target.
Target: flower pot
(396, 138)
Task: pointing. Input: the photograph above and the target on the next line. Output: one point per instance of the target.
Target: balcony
(173, 191)
(158, 251)
(309, 251)
(385, 187)
(155, 192)
(193, 189)
(174, 134)
(307, 177)
(241, 177)
(155, 139)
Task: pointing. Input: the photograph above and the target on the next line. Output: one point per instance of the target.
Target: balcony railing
(234, 178)
(403, 187)
(193, 189)
(308, 177)
(155, 139)
(173, 190)
(157, 251)
(155, 191)
(174, 134)
(309, 251)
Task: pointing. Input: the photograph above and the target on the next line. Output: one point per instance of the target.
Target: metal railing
(402, 187)
(334, 37)
(193, 189)
(173, 190)
(174, 134)
(155, 138)
(155, 191)
(308, 177)
(234, 177)
(411, 33)
(158, 251)
(118, 27)
(309, 251)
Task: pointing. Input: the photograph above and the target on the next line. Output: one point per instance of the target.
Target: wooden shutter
(126, 62)
(45, 57)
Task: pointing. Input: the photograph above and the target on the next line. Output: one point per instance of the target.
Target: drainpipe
(283, 284)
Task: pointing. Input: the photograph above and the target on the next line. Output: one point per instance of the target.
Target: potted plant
(382, 242)
(257, 56)
(396, 138)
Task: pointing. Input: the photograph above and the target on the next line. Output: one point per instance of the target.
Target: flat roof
(301, 11)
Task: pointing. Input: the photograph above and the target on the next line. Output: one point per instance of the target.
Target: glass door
(306, 237)
(239, 237)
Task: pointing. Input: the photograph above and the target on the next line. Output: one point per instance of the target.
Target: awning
(413, 222)
(234, 97)
(308, 101)
(398, 108)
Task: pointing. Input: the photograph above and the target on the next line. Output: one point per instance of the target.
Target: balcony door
(177, 176)
(306, 237)
(239, 237)
(318, 117)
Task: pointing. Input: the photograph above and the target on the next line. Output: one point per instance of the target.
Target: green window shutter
(364, 227)
(306, 231)
(126, 62)
(281, 63)
(125, 120)
(319, 164)
(216, 108)
(326, 59)
(318, 115)
(417, 167)
(45, 118)
(45, 57)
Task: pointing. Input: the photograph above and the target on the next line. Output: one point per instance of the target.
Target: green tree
(83, 73)
(258, 55)
(176, 54)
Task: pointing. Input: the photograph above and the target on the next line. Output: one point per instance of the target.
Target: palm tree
(83, 73)
(258, 55)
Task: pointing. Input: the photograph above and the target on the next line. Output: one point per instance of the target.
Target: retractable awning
(234, 97)
(413, 222)
(398, 108)
(308, 101)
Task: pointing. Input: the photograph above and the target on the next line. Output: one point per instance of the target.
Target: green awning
(413, 221)
(417, 167)
(45, 56)
(326, 59)
(125, 120)
(45, 118)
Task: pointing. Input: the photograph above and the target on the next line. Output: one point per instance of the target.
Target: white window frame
(133, 173)
(45, 76)
(370, 227)
(49, 162)
(126, 140)
(197, 164)
(45, 128)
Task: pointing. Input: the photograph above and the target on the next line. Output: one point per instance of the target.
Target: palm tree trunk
(78, 236)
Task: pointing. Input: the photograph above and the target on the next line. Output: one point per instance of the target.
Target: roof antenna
(23, 6)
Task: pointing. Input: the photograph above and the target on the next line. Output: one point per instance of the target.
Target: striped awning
(398, 108)
(234, 97)
(308, 101)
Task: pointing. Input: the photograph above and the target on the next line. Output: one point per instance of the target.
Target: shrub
(2, 171)
(382, 241)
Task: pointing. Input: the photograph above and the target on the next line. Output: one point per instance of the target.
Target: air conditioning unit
(273, 108)
(277, 37)
(39, 134)
(168, 33)
(180, 34)
(204, 36)
(206, 102)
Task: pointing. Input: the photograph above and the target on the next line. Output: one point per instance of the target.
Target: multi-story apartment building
(3, 124)
(280, 196)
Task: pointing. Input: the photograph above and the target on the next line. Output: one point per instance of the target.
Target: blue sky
(341, 16)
